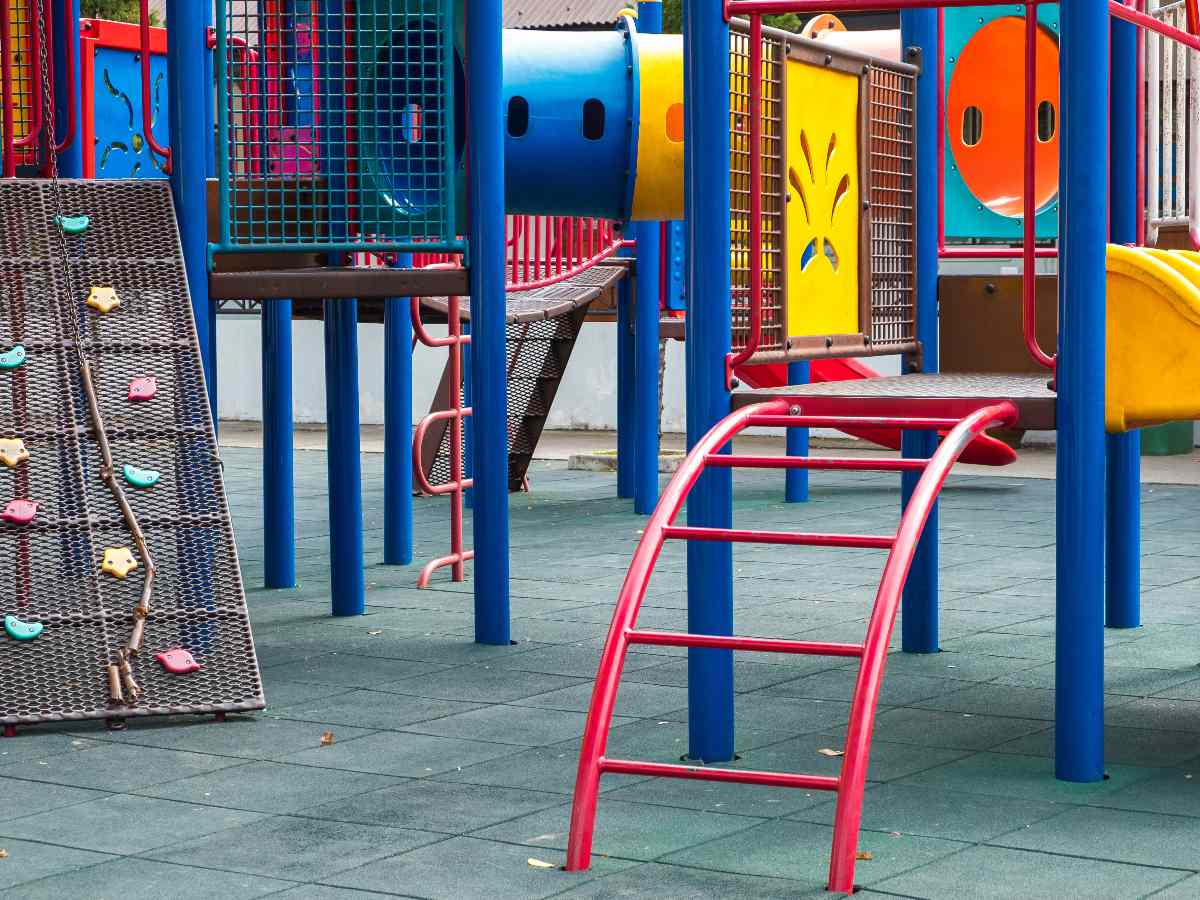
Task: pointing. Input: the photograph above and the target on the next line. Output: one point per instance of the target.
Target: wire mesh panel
(339, 124)
(891, 182)
(773, 189)
(19, 68)
(51, 568)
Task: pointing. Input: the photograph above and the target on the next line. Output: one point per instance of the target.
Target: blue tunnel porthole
(518, 117)
(593, 119)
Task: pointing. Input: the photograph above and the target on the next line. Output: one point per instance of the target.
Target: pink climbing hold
(178, 661)
(141, 389)
(20, 512)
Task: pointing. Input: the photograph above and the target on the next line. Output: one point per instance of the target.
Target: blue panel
(676, 266)
(121, 150)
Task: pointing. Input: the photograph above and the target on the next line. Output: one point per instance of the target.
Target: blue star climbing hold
(142, 478)
(11, 359)
(22, 631)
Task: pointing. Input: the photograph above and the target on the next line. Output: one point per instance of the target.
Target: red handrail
(8, 156)
(147, 124)
(37, 101)
(873, 651)
(1029, 198)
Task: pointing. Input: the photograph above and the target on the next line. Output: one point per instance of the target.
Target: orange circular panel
(985, 116)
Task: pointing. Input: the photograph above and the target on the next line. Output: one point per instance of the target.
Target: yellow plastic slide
(1153, 337)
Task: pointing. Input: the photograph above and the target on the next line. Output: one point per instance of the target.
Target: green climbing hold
(72, 224)
(11, 359)
(22, 631)
(142, 478)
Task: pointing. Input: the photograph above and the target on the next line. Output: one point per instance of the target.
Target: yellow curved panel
(823, 201)
(658, 190)
(1153, 333)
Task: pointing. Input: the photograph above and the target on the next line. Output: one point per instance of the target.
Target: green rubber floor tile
(400, 753)
(494, 870)
(118, 767)
(1119, 835)
(958, 666)
(680, 883)
(517, 725)
(952, 730)
(324, 892)
(1125, 746)
(38, 743)
(898, 689)
(718, 797)
(437, 806)
(800, 851)
(1152, 712)
(247, 737)
(1187, 888)
(993, 873)
(625, 830)
(666, 740)
(28, 798)
(571, 660)
(294, 849)
(270, 787)
(351, 670)
(482, 684)
(805, 754)
(125, 824)
(27, 862)
(1022, 703)
(143, 879)
(282, 692)
(1171, 791)
(635, 699)
(940, 814)
(540, 769)
(1029, 777)
(372, 709)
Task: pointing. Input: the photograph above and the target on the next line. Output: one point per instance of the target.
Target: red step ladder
(872, 653)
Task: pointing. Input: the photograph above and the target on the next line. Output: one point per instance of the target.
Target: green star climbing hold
(142, 478)
(11, 359)
(22, 631)
(72, 224)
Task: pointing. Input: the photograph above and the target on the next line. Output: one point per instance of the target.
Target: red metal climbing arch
(872, 652)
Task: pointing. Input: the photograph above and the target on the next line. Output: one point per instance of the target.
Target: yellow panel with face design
(823, 201)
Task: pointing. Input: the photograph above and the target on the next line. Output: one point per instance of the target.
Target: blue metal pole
(626, 389)
(795, 488)
(397, 425)
(1123, 451)
(67, 88)
(343, 456)
(1079, 660)
(279, 513)
(919, 632)
(210, 171)
(706, 201)
(190, 132)
(488, 383)
(645, 332)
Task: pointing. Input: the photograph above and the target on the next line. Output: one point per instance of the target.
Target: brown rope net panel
(50, 568)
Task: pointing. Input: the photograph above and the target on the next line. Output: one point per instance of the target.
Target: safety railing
(24, 25)
(147, 110)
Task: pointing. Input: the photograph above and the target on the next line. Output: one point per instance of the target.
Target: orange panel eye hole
(985, 116)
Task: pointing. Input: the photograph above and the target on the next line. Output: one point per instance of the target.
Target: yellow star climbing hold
(12, 451)
(103, 299)
(118, 561)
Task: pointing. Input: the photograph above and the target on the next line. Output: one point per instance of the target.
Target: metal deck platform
(942, 394)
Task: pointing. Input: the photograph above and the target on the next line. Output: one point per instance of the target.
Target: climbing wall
(70, 616)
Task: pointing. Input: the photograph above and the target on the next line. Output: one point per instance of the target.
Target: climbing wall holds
(72, 224)
(22, 631)
(103, 299)
(142, 478)
(142, 389)
(19, 512)
(118, 561)
(178, 661)
(12, 451)
(11, 359)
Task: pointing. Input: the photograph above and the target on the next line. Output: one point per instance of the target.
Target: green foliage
(673, 19)
(116, 10)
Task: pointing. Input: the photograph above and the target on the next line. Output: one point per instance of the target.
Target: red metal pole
(147, 123)
(1029, 200)
(941, 129)
(1142, 20)
(8, 156)
(35, 89)
(1141, 135)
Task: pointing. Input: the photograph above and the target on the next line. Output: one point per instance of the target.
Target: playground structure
(813, 232)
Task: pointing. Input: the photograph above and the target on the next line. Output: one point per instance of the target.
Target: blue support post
(1083, 179)
(706, 201)
(191, 131)
(279, 513)
(626, 389)
(488, 384)
(645, 332)
(918, 27)
(343, 458)
(397, 427)
(210, 171)
(1123, 451)
(795, 487)
(67, 88)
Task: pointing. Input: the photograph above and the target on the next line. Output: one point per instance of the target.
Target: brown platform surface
(1031, 393)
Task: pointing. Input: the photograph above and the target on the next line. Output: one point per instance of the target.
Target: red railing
(147, 116)
(872, 652)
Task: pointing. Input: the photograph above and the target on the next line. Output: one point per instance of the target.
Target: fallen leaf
(895, 834)
(375, 632)
(540, 863)
(327, 739)
(828, 751)
(864, 854)
(3, 853)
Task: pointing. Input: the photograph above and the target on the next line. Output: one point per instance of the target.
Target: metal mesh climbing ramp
(51, 568)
